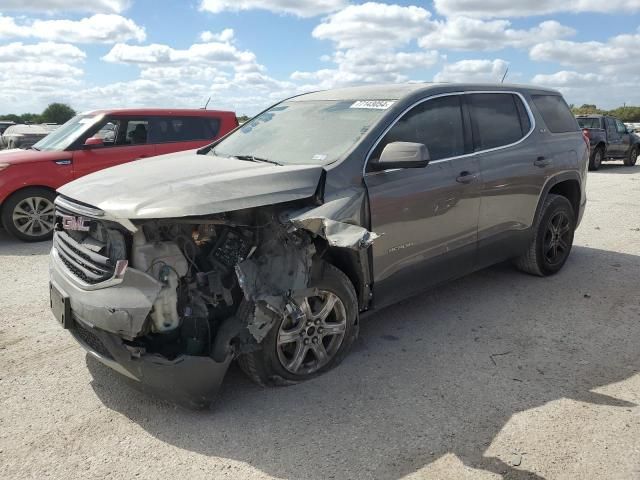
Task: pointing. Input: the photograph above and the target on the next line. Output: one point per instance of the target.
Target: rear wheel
(631, 160)
(29, 214)
(595, 160)
(312, 340)
(553, 238)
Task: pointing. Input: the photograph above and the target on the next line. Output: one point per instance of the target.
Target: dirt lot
(498, 375)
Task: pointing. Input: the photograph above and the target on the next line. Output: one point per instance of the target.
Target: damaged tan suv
(261, 247)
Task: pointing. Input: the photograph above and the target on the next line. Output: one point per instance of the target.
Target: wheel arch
(568, 185)
(355, 264)
(21, 189)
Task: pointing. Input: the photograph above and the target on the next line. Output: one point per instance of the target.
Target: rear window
(184, 129)
(499, 119)
(589, 122)
(556, 113)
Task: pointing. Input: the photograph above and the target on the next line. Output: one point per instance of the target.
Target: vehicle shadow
(438, 374)
(13, 247)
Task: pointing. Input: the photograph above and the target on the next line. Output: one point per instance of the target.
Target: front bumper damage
(192, 381)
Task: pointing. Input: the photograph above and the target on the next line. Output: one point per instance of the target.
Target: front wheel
(631, 160)
(552, 240)
(311, 340)
(29, 214)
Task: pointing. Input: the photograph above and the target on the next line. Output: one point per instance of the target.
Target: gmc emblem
(79, 224)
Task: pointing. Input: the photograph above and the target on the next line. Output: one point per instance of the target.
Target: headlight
(3, 166)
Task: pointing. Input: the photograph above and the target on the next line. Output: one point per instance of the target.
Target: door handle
(542, 162)
(466, 177)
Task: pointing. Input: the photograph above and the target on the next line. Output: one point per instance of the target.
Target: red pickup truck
(89, 142)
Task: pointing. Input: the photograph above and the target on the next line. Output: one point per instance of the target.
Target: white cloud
(374, 23)
(463, 33)
(373, 44)
(99, 28)
(613, 56)
(522, 8)
(472, 71)
(567, 78)
(38, 73)
(45, 51)
(308, 8)
(212, 53)
(109, 6)
(225, 35)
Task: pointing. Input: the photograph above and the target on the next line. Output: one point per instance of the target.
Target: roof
(399, 91)
(193, 112)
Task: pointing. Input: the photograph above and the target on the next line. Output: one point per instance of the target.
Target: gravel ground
(497, 375)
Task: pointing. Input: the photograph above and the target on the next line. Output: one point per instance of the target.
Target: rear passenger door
(174, 134)
(615, 144)
(514, 169)
(427, 217)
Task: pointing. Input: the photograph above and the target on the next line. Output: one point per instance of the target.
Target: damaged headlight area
(207, 268)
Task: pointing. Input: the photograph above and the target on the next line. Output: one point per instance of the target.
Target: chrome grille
(91, 253)
(88, 266)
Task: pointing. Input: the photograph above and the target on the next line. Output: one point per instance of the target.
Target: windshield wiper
(251, 158)
(34, 148)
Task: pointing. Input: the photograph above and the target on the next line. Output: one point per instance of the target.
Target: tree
(586, 109)
(57, 113)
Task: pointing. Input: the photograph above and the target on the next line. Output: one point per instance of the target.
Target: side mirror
(93, 142)
(403, 155)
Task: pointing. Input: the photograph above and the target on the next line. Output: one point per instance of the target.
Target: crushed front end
(157, 300)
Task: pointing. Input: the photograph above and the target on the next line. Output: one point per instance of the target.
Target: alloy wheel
(557, 238)
(308, 341)
(34, 216)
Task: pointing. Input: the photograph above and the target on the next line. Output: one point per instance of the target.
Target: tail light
(586, 137)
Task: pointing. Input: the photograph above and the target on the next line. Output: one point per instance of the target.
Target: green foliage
(243, 118)
(55, 113)
(626, 114)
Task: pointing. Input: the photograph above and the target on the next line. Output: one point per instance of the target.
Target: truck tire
(595, 160)
(28, 214)
(552, 238)
(630, 161)
(298, 349)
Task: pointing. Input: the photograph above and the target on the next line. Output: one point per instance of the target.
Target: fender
(553, 181)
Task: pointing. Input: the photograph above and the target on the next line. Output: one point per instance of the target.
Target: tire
(274, 363)
(28, 214)
(595, 160)
(631, 160)
(555, 225)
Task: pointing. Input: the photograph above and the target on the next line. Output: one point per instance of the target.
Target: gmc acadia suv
(270, 245)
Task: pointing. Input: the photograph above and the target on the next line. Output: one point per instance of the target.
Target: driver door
(124, 140)
(427, 217)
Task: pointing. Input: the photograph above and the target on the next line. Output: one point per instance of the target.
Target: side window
(135, 133)
(611, 127)
(211, 127)
(620, 127)
(183, 129)
(555, 113)
(108, 132)
(436, 123)
(497, 119)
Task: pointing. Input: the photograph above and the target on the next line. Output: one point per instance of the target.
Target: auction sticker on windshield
(375, 104)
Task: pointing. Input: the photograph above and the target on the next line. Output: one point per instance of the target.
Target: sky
(249, 54)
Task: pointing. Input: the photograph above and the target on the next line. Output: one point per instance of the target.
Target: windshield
(68, 133)
(589, 122)
(303, 132)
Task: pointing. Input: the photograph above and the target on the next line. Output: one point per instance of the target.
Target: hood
(17, 156)
(187, 184)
